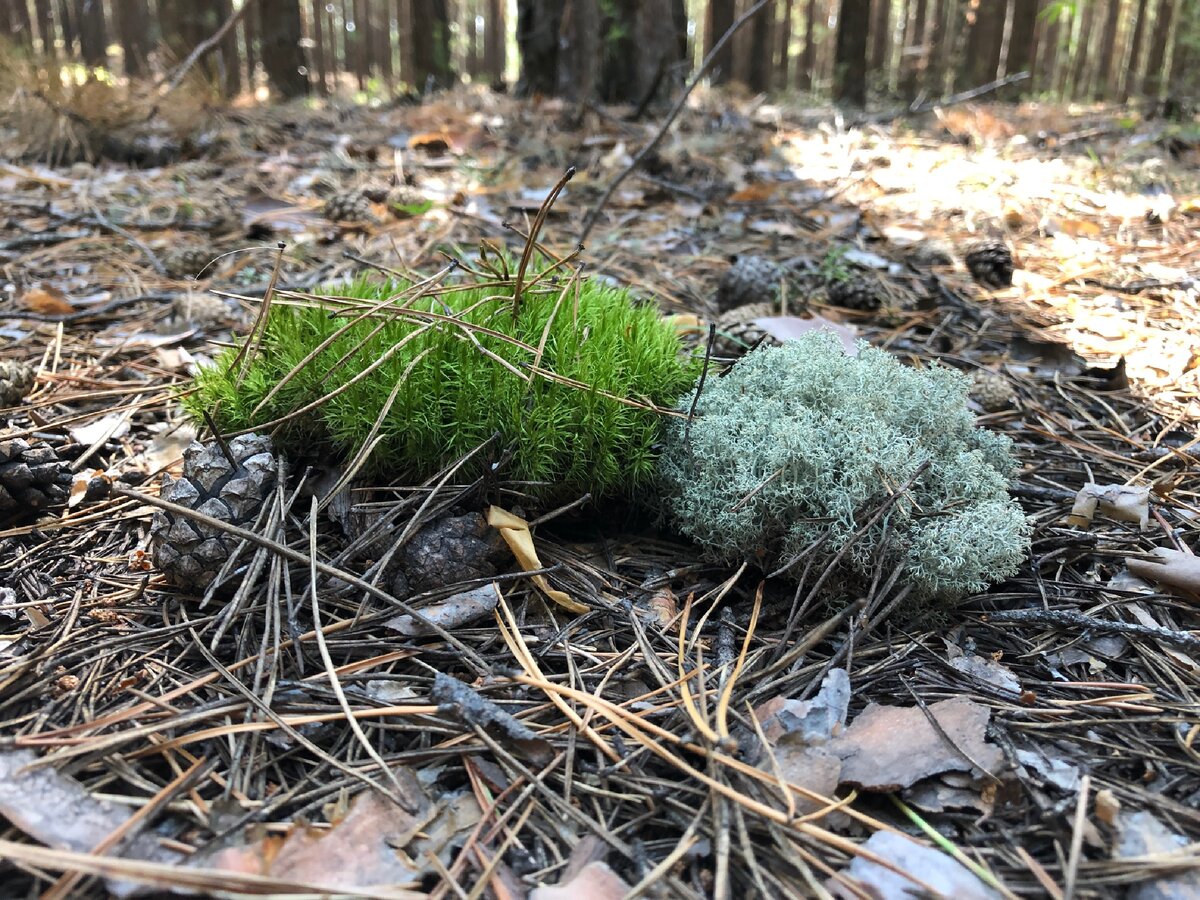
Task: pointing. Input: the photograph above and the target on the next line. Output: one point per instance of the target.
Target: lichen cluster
(793, 451)
(460, 368)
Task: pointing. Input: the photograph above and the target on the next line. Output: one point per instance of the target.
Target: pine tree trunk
(404, 40)
(131, 18)
(46, 28)
(581, 46)
(881, 36)
(66, 25)
(538, 23)
(381, 30)
(1022, 45)
(984, 39)
(808, 57)
(1108, 73)
(850, 55)
(16, 24)
(473, 39)
(1130, 84)
(226, 57)
(282, 54)
(494, 43)
(1184, 85)
(431, 44)
(316, 12)
(785, 46)
(1078, 84)
(1156, 59)
(761, 44)
(914, 64)
(720, 19)
(941, 46)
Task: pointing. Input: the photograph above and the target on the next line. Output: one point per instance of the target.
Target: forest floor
(1041, 739)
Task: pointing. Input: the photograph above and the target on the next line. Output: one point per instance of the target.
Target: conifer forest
(597, 449)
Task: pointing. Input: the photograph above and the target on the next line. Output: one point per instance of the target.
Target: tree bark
(581, 44)
(1182, 88)
(431, 44)
(131, 18)
(316, 12)
(67, 26)
(1079, 63)
(784, 64)
(761, 45)
(494, 42)
(1022, 45)
(914, 66)
(538, 24)
(1107, 67)
(808, 56)
(282, 55)
(1129, 84)
(720, 18)
(985, 36)
(15, 22)
(850, 54)
(881, 36)
(1156, 59)
(381, 30)
(47, 31)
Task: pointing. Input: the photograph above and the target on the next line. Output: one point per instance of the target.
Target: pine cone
(751, 279)
(189, 553)
(992, 391)
(736, 331)
(991, 264)
(31, 478)
(16, 380)
(348, 206)
(188, 261)
(862, 292)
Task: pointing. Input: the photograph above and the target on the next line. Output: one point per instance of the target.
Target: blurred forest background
(632, 50)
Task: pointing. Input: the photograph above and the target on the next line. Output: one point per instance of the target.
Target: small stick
(203, 48)
(1073, 621)
(219, 438)
(531, 242)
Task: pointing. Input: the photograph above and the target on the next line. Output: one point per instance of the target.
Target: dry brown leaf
(595, 881)
(759, 192)
(1176, 569)
(516, 534)
(891, 747)
(47, 301)
(1120, 502)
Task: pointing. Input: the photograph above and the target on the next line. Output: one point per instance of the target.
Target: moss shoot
(571, 384)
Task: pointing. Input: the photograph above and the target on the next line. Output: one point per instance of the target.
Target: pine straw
(647, 773)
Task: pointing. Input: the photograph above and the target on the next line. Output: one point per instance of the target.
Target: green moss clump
(793, 451)
(451, 395)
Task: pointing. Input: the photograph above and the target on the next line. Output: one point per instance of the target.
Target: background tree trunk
(46, 27)
(881, 36)
(131, 18)
(1156, 59)
(915, 61)
(15, 21)
(1183, 86)
(850, 55)
(1079, 63)
(784, 64)
(1108, 73)
(808, 57)
(494, 44)
(431, 44)
(720, 18)
(985, 38)
(582, 38)
(1129, 84)
(1022, 45)
(93, 35)
(538, 23)
(282, 55)
(761, 46)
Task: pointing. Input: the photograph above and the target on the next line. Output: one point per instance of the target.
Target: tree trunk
(808, 56)
(942, 32)
(1022, 44)
(1078, 82)
(66, 24)
(316, 12)
(1130, 83)
(47, 32)
(581, 44)
(494, 41)
(16, 24)
(473, 40)
(538, 23)
(761, 44)
(881, 36)
(131, 18)
(784, 64)
(1183, 86)
(1108, 73)
(93, 37)
(404, 40)
(1156, 60)
(282, 54)
(915, 61)
(850, 55)
(984, 39)
(381, 31)
(720, 18)
(431, 44)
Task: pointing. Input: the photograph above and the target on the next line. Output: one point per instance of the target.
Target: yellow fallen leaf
(515, 532)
